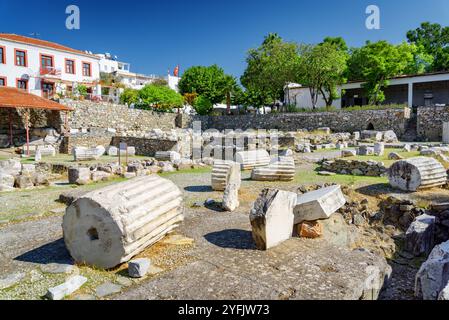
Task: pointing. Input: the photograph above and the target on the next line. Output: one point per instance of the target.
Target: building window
(87, 72)
(22, 84)
(70, 66)
(2, 55)
(46, 62)
(21, 58)
(2, 81)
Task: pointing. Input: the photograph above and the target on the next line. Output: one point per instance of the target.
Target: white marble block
(319, 204)
(272, 218)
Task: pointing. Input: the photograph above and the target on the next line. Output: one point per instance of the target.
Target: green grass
(68, 159)
(187, 171)
(384, 158)
(312, 177)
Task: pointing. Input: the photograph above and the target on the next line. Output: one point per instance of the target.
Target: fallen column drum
(224, 172)
(417, 173)
(280, 169)
(251, 159)
(109, 226)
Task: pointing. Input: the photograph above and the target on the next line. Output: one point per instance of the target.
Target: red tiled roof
(15, 98)
(42, 43)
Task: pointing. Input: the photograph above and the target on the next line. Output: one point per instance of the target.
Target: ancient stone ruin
(224, 172)
(109, 226)
(279, 169)
(433, 277)
(417, 173)
(319, 204)
(84, 153)
(252, 159)
(272, 218)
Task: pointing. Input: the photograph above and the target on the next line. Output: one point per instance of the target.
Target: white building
(173, 82)
(110, 64)
(45, 68)
(412, 90)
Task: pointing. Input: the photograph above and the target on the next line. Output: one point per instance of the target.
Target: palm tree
(230, 87)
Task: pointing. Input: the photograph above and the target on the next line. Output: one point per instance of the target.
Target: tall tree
(339, 42)
(270, 67)
(322, 69)
(377, 62)
(210, 82)
(230, 89)
(434, 40)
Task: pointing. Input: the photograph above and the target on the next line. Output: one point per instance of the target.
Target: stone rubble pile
(355, 167)
(14, 174)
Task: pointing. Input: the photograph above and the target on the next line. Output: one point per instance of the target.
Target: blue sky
(157, 35)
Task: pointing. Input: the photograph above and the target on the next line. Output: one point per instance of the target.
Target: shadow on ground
(199, 189)
(378, 189)
(232, 239)
(53, 252)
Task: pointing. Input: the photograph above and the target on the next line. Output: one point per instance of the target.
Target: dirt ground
(213, 250)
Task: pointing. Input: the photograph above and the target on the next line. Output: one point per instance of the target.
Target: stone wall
(38, 119)
(146, 147)
(430, 122)
(350, 121)
(85, 140)
(106, 115)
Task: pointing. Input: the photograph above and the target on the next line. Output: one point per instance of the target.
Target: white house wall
(302, 99)
(13, 72)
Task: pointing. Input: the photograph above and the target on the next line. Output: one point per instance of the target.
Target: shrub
(160, 98)
(129, 96)
(202, 105)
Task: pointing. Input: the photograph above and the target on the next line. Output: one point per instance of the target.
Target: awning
(16, 98)
(13, 98)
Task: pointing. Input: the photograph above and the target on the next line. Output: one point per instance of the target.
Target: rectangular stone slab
(319, 204)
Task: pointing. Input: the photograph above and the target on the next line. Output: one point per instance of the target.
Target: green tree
(129, 96)
(377, 62)
(208, 82)
(339, 42)
(270, 67)
(322, 68)
(230, 90)
(434, 39)
(254, 98)
(202, 105)
(421, 62)
(160, 98)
